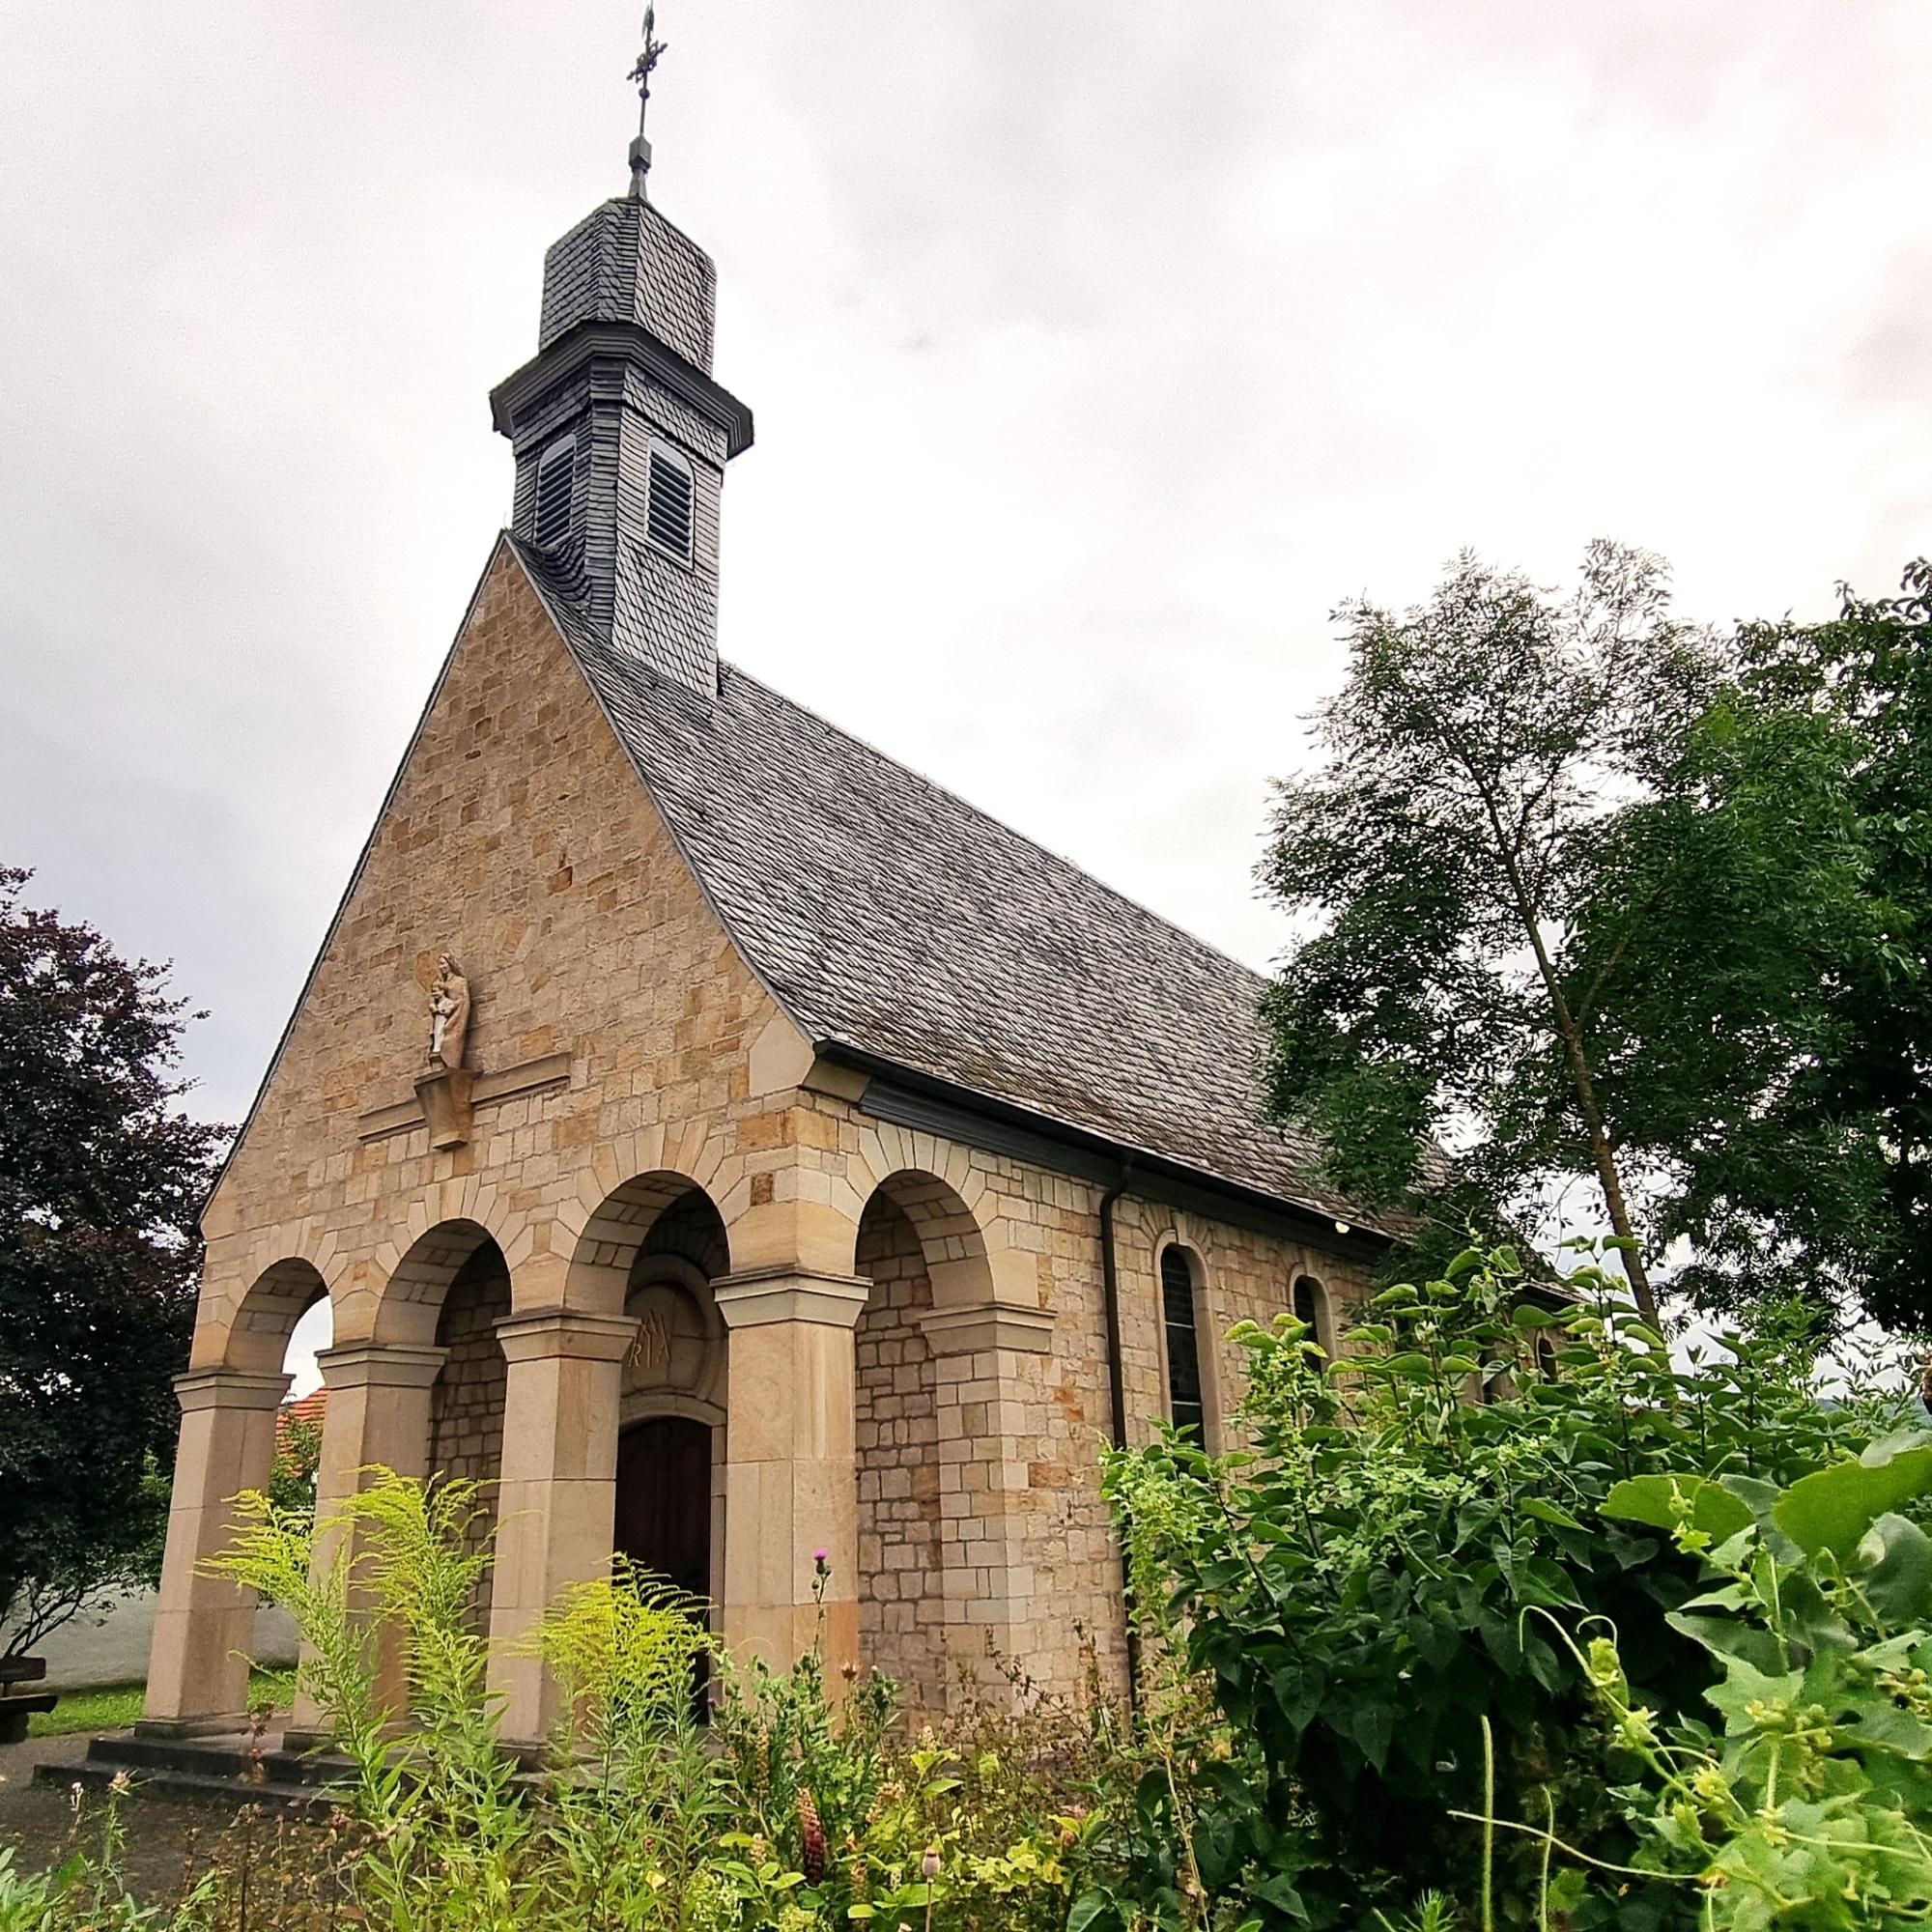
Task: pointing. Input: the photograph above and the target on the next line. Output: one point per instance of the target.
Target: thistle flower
(812, 1835)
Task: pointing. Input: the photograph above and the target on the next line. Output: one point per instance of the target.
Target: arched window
(1187, 1406)
(667, 515)
(1311, 1306)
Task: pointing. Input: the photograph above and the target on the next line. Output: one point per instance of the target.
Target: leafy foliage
(100, 1180)
(1366, 1584)
(291, 1478)
(1593, 895)
(803, 1810)
(1809, 1802)
(1443, 846)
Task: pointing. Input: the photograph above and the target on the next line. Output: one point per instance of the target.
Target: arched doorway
(671, 1446)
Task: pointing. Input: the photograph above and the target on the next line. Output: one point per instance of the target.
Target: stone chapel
(724, 1141)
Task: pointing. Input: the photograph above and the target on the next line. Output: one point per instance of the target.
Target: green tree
(102, 1178)
(1443, 851)
(1762, 927)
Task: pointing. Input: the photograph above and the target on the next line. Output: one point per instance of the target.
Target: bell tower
(620, 433)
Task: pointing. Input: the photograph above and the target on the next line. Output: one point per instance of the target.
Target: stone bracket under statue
(478, 1090)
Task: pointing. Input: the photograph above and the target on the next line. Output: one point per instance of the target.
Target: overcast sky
(1097, 352)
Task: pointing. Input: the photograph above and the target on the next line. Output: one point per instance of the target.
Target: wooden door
(664, 1500)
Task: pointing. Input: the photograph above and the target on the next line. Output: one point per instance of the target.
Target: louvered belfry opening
(1186, 1406)
(556, 480)
(667, 515)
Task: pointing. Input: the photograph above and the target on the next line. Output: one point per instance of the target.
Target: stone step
(187, 1787)
(232, 1770)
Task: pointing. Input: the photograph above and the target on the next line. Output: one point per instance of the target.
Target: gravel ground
(163, 1840)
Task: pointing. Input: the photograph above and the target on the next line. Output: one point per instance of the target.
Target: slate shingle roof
(889, 916)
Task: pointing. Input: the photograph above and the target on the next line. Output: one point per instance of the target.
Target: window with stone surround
(1311, 1306)
(1186, 1394)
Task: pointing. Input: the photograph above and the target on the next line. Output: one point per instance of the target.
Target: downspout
(1117, 1390)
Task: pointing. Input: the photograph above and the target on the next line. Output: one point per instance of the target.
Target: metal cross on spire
(654, 51)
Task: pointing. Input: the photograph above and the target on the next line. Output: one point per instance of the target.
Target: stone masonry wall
(901, 1608)
(519, 837)
(1019, 1434)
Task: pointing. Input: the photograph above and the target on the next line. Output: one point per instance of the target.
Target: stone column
(558, 1500)
(991, 1413)
(377, 1412)
(204, 1628)
(791, 1481)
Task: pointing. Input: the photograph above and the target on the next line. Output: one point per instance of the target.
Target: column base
(168, 1731)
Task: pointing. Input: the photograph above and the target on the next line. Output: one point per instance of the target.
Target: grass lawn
(116, 1707)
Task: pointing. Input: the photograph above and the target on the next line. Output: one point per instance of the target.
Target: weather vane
(654, 51)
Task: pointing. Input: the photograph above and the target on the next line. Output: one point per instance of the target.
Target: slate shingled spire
(621, 435)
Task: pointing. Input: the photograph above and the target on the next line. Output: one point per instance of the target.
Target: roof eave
(1157, 1174)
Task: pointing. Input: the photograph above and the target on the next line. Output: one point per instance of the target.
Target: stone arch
(951, 1240)
(274, 1301)
(924, 1251)
(468, 1397)
(616, 1232)
(650, 1250)
(410, 1305)
(1311, 1301)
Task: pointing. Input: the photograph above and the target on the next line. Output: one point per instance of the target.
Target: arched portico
(568, 1362)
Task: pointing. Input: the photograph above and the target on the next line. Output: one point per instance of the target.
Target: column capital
(381, 1365)
(757, 1296)
(229, 1388)
(566, 1334)
(989, 1324)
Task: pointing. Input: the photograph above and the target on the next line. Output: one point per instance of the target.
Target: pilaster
(204, 1627)
(992, 1414)
(791, 1479)
(556, 1504)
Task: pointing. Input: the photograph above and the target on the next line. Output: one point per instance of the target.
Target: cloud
(1098, 353)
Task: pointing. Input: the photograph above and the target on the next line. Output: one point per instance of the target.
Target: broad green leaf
(1833, 1508)
(1372, 1728)
(1899, 1583)
(1744, 1687)
(1659, 1501)
(1885, 1728)
(1888, 1447)
(1726, 1637)
(1088, 1909)
(1543, 1512)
